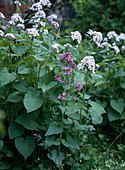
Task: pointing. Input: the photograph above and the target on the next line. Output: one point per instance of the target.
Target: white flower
(42, 24)
(10, 35)
(116, 48)
(123, 47)
(17, 3)
(45, 3)
(67, 45)
(51, 17)
(76, 36)
(11, 23)
(1, 15)
(111, 34)
(21, 26)
(45, 31)
(88, 61)
(97, 36)
(40, 14)
(1, 33)
(36, 6)
(55, 47)
(56, 25)
(32, 32)
(17, 18)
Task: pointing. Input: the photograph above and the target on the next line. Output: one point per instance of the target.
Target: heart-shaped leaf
(118, 105)
(25, 146)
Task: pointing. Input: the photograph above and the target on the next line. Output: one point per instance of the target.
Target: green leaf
(19, 50)
(15, 130)
(23, 70)
(26, 121)
(21, 86)
(6, 77)
(56, 157)
(97, 107)
(1, 144)
(46, 87)
(54, 128)
(123, 116)
(25, 146)
(70, 143)
(118, 105)
(33, 100)
(80, 127)
(14, 97)
(50, 140)
(123, 84)
(96, 118)
(120, 72)
(113, 115)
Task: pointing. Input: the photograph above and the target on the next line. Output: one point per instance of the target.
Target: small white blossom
(123, 47)
(55, 47)
(1, 33)
(51, 17)
(42, 24)
(17, 3)
(45, 3)
(56, 25)
(97, 36)
(40, 14)
(32, 32)
(10, 23)
(1, 15)
(10, 36)
(36, 6)
(116, 48)
(88, 61)
(45, 31)
(111, 34)
(21, 26)
(67, 45)
(76, 36)
(17, 18)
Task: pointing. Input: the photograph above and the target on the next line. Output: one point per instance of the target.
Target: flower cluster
(1, 15)
(63, 96)
(56, 25)
(58, 78)
(10, 36)
(38, 6)
(1, 33)
(17, 18)
(68, 70)
(32, 32)
(76, 36)
(88, 61)
(55, 47)
(51, 17)
(97, 36)
(21, 26)
(67, 45)
(79, 86)
(67, 57)
(17, 3)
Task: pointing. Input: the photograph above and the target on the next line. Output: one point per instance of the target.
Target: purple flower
(35, 135)
(57, 78)
(79, 86)
(59, 97)
(63, 96)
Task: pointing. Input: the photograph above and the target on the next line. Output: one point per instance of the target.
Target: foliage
(54, 109)
(98, 15)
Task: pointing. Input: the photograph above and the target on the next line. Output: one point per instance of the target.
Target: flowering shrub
(46, 96)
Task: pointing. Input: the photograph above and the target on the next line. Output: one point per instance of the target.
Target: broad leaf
(46, 87)
(56, 157)
(50, 140)
(97, 107)
(1, 144)
(70, 143)
(26, 121)
(54, 128)
(113, 115)
(33, 100)
(118, 105)
(15, 130)
(6, 77)
(14, 97)
(23, 70)
(25, 146)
